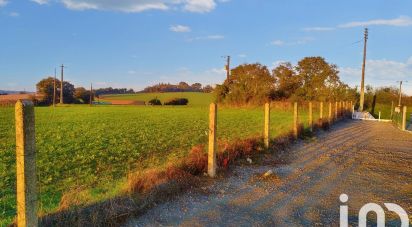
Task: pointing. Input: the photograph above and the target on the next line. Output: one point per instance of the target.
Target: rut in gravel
(368, 161)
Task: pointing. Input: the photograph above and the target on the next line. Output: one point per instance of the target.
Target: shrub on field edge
(177, 102)
(155, 102)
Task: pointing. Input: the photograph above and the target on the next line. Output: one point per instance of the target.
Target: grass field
(92, 149)
(195, 98)
(385, 110)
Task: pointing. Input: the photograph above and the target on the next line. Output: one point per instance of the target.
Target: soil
(368, 161)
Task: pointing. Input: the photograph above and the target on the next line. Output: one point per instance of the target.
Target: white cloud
(199, 6)
(318, 29)
(300, 41)
(3, 3)
(209, 37)
(278, 62)
(14, 14)
(379, 73)
(277, 43)
(400, 21)
(242, 55)
(41, 2)
(135, 6)
(129, 6)
(179, 28)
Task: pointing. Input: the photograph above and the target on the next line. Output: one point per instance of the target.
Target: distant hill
(14, 92)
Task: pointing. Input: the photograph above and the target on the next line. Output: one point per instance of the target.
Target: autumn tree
(82, 95)
(319, 79)
(46, 87)
(207, 89)
(287, 82)
(248, 84)
(196, 87)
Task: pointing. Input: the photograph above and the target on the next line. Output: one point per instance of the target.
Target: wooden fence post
(330, 113)
(295, 121)
(267, 125)
(310, 117)
(26, 164)
(321, 112)
(352, 108)
(404, 118)
(345, 108)
(336, 110)
(211, 163)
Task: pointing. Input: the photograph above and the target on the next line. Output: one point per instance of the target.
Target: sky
(136, 43)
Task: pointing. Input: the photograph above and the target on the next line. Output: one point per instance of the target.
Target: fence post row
(211, 162)
(26, 164)
(267, 125)
(295, 120)
(404, 118)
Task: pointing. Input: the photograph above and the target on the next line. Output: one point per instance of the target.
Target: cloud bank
(136, 6)
(379, 73)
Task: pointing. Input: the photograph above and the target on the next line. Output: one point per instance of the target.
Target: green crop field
(385, 110)
(195, 98)
(93, 148)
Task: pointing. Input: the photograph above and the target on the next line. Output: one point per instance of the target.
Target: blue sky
(135, 43)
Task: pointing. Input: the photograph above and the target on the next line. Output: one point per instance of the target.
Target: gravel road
(368, 161)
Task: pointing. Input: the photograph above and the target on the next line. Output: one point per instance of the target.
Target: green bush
(155, 102)
(177, 102)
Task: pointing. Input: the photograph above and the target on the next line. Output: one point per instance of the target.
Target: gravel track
(368, 161)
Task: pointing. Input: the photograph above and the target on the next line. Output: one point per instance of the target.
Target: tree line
(313, 78)
(180, 87)
(81, 95)
(70, 94)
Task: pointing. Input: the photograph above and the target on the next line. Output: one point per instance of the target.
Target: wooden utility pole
(400, 92)
(362, 94)
(61, 85)
(227, 67)
(91, 94)
(54, 88)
